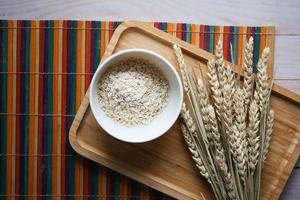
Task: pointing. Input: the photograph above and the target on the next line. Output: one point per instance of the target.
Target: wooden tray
(165, 163)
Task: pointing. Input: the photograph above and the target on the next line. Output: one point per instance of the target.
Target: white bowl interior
(162, 122)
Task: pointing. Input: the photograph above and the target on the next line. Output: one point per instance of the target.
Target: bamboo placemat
(45, 70)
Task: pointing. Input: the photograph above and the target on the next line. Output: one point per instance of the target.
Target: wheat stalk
(204, 104)
(229, 184)
(228, 118)
(220, 155)
(207, 162)
(240, 114)
(220, 65)
(253, 135)
(215, 87)
(193, 97)
(262, 87)
(240, 133)
(229, 137)
(239, 153)
(195, 155)
(203, 99)
(248, 71)
(227, 105)
(230, 77)
(214, 130)
(182, 67)
(269, 129)
(190, 87)
(188, 120)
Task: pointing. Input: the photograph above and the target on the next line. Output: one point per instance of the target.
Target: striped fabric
(45, 70)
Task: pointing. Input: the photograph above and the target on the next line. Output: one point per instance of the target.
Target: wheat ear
(269, 129)
(214, 130)
(262, 87)
(230, 76)
(195, 155)
(220, 65)
(239, 154)
(248, 71)
(189, 122)
(204, 103)
(240, 114)
(182, 67)
(215, 87)
(220, 155)
(253, 135)
(239, 129)
(227, 105)
(229, 184)
(228, 116)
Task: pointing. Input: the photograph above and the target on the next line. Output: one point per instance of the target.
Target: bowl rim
(111, 57)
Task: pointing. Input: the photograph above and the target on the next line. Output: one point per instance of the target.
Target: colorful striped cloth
(45, 70)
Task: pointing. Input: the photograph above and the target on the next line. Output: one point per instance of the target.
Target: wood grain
(165, 163)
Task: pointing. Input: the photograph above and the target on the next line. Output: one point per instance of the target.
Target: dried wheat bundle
(229, 132)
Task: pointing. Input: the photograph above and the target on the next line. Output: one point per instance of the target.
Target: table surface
(284, 15)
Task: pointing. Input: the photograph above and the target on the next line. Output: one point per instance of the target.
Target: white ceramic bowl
(162, 122)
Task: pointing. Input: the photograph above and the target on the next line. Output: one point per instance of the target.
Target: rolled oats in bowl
(133, 92)
(135, 95)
